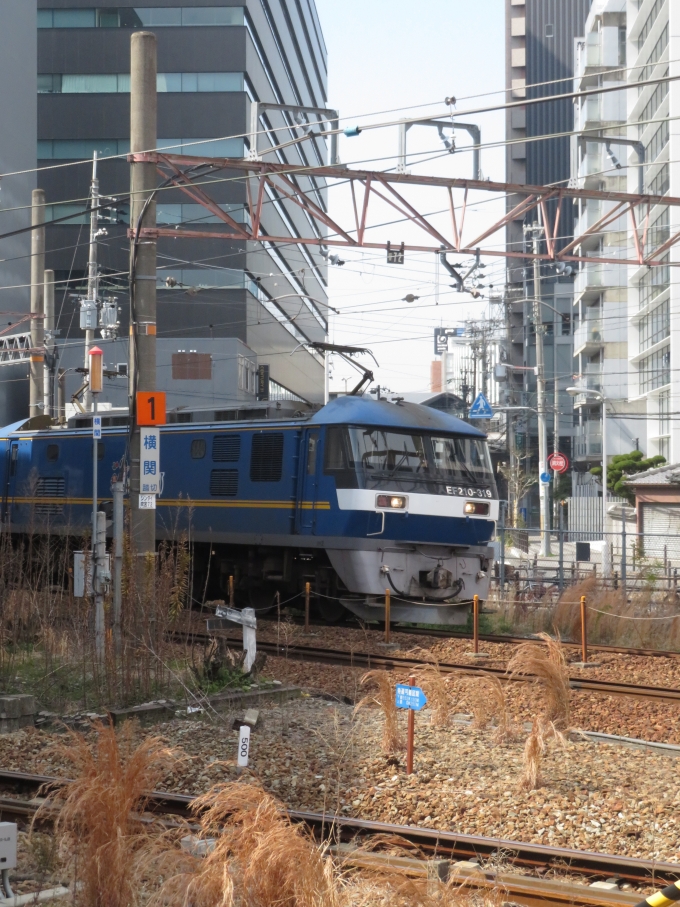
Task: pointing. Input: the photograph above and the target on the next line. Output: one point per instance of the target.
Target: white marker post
(248, 621)
(243, 746)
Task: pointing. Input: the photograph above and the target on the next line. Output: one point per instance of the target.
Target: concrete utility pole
(37, 301)
(92, 274)
(142, 368)
(48, 368)
(540, 401)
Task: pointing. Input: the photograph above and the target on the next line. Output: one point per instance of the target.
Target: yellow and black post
(662, 898)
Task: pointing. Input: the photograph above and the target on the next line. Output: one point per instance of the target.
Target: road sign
(97, 428)
(441, 338)
(243, 745)
(150, 461)
(408, 697)
(481, 408)
(151, 408)
(558, 462)
(545, 478)
(147, 502)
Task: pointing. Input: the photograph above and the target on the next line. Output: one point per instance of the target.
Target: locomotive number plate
(462, 491)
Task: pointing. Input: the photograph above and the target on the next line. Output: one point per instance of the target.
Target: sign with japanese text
(150, 461)
(97, 428)
(408, 697)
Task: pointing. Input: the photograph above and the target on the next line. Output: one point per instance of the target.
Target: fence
(625, 558)
(585, 514)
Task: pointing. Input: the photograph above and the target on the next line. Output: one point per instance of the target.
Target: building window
(656, 326)
(665, 413)
(661, 183)
(83, 149)
(119, 83)
(247, 375)
(654, 282)
(141, 17)
(654, 57)
(658, 96)
(191, 366)
(655, 370)
(649, 23)
(664, 446)
(657, 142)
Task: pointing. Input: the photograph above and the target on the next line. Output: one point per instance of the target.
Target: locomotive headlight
(477, 507)
(391, 501)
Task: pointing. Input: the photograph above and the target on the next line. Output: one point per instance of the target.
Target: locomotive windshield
(406, 461)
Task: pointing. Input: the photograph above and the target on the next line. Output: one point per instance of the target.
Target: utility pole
(89, 308)
(540, 399)
(37, 301)
(50, 348)
(142, 368)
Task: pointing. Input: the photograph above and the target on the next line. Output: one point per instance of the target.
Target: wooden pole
(387, 616)
(584, 631)
(411, 729)
(306, 607)
(475, 624)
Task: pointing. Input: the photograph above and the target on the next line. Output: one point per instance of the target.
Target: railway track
(431, 845)
(392, 662)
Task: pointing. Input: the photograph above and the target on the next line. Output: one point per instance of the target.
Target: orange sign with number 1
(151, 408)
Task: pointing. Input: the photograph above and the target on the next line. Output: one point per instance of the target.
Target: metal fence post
(584, 631)
(475, 624)
(623, 555)
(561, 532)
(501, 574)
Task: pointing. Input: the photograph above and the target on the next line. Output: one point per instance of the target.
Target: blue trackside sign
(408, 697)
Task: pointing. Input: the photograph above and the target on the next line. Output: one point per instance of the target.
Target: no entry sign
(558, 462)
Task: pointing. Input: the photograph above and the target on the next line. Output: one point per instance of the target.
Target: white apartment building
(601, 332)
(653, 50)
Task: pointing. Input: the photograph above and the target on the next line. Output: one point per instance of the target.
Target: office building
(18, 111)
(601, 315)
(539, 63)
(653, 44)
(215, 59)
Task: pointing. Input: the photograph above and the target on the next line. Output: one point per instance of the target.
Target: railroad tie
(662, 898)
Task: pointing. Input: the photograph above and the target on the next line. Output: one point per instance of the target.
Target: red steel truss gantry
(190, 174)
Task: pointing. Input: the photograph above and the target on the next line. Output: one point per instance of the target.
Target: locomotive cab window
(312, 446)
(380, 459)
(197, 449)
(52, 452)
(14, 456)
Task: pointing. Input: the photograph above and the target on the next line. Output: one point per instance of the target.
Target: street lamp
(598, 395)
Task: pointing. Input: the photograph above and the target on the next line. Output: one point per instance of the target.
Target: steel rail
(393, 662)
(432, 843)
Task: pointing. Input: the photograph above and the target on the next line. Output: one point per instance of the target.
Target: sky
(387, 54)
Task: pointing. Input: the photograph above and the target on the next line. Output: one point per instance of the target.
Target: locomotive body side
(278, 504)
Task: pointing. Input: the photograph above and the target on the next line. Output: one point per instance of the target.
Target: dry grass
(383, 695)
(485, 697)
(438, 693)
(534, 749)
(548, 665)
(98, 824)
(256, 858)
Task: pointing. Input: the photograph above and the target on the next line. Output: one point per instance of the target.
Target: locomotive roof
(383, 414)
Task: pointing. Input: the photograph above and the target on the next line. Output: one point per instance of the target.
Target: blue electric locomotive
(361, 496)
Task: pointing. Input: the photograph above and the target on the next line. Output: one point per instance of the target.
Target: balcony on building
(590, 378)
(594, 277)
(588, 336)
(588, 441)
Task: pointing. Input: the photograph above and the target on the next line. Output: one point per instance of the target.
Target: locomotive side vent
(226, 448)
(266, 461)
(50, 487)
(224, 483)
